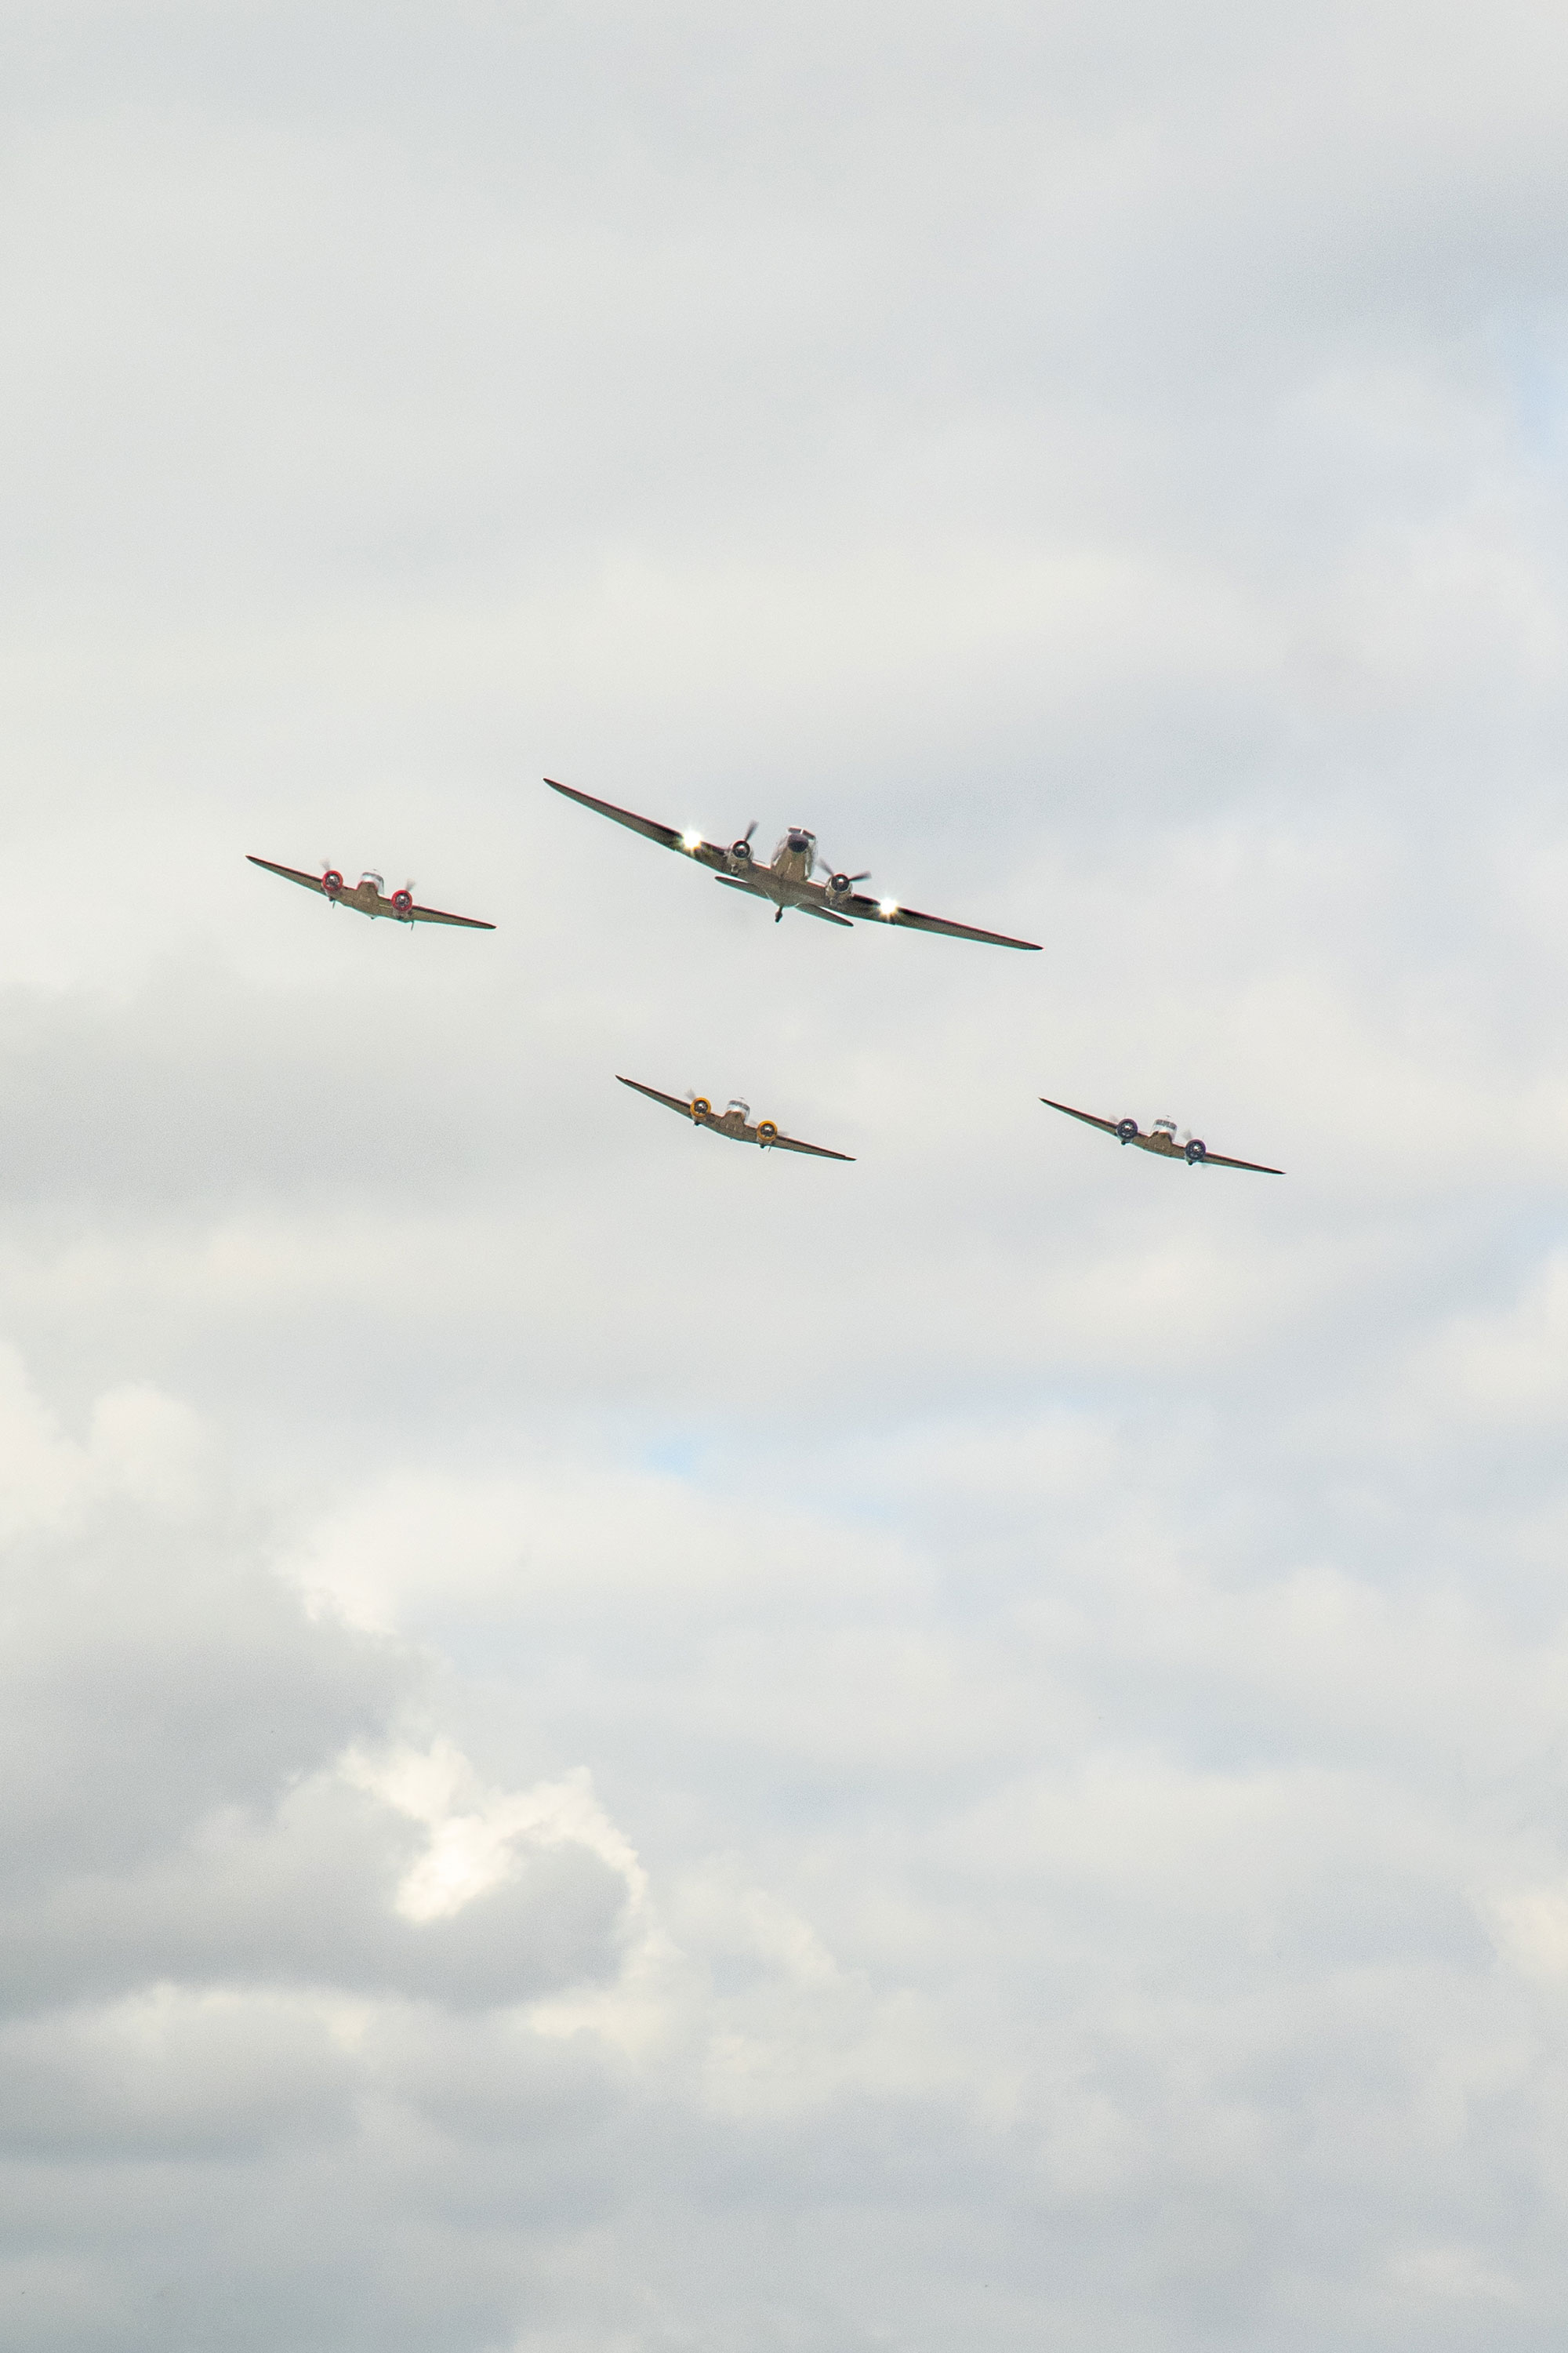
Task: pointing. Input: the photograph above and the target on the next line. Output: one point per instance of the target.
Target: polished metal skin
(786, 880)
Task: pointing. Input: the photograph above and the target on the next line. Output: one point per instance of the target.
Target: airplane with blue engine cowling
(1162, 1139)
(787, 880)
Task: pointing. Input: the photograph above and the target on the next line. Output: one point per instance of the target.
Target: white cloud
(140, 1445)
(476, 1833)
(609, 1741)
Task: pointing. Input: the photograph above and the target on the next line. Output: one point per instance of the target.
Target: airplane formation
(788, 883)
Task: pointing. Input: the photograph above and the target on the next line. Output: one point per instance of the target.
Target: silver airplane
(1162, 1139)
(786, 880)
(734, 1122)
(368, 896)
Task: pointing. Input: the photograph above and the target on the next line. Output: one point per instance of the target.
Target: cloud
(608, 1742)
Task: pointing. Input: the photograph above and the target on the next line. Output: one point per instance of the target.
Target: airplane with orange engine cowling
(735, 1122)
(368, 897)
(788, 879)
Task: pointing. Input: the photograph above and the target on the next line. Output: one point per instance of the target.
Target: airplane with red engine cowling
(788, 879)
(368, 896)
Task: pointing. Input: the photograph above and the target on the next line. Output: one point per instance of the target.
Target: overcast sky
(613, 1746)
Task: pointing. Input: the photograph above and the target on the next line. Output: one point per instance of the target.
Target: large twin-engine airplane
(734, 1122)
(786, 880)
(1162, 1139)
(367, 896)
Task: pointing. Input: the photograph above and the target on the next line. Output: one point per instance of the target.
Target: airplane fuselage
(780, 879)
(795, 856)
(365, 897)
(735, 1123)
(786, 880)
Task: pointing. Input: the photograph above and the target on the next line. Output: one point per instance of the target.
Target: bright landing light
(888, 907)
(691, 841)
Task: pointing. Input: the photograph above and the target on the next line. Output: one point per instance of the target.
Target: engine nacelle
(332, 883)
(402, 903)
(1127, 1129)
(767, 1133)
(701, 1108)
(740, 853)
(1195, 1149)
(840, 885)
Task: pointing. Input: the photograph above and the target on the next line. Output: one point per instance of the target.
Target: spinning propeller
(839, 884)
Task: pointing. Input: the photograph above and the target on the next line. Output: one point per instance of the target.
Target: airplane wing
(871, 910)
(668, 836)
(675, 1101)
(289, 873)
(820, 1151)
(1218, 1160)
(434, 915)
(1087, 1117)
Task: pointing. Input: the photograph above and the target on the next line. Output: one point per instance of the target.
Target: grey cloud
(165, 2080)
(150, 1683)
(307, 1897)
(1075, 1646)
